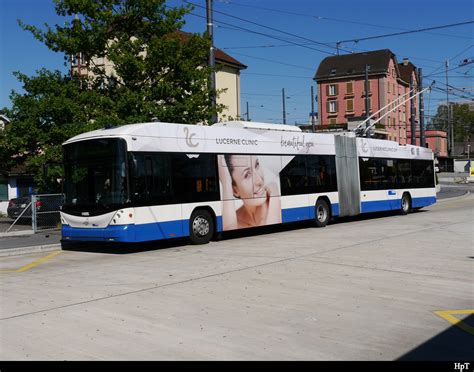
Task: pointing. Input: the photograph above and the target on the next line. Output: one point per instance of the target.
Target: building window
(349, 88)
(332, 90)
(350, 105)
(333, 72)
(332, 121)
(332, 106)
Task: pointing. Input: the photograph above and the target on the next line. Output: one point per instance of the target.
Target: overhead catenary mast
(212, 60)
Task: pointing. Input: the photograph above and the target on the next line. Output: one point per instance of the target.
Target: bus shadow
(372, 216)
(123, 248)
(130, 248)
(264, 230)
(454, 344)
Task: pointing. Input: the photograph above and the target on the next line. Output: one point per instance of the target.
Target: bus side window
(138, 180)
(148, 176)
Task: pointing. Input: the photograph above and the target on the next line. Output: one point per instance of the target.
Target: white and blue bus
(154, 181)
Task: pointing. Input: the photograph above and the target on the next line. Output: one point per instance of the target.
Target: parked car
(17, 205)
(44, 208)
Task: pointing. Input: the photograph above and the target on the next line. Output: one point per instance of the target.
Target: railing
(41, 213)
(46, 211)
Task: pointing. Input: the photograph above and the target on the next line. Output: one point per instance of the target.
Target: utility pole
(367, 99)
(313, 124)
(248, 115)
(412, 114)
(422, 110)
(284, 112)
(448, 124)
(212, 60)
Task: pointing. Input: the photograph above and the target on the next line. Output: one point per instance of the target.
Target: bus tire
(322, 213)
(405, 204)
(201, 227)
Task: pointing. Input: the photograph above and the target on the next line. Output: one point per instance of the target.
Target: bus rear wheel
(322, 213)
(201, 227)
(406, 204)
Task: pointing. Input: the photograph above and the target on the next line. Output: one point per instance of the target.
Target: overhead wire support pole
(422, 111)
(312, 110)
(367, 98)
(212, 60)
(412, 114)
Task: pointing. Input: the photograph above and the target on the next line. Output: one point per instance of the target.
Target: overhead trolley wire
(317, 17)
(406, 32)
(263, 34)
(270, 28)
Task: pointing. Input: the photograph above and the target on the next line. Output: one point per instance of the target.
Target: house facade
(227, 78)
(342, 94)
(14, 183)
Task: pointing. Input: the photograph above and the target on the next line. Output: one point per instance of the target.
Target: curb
(464, 196)
(16, 233)
(28, 250)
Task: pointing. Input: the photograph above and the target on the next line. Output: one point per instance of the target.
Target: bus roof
(255, 125)
(244, 137)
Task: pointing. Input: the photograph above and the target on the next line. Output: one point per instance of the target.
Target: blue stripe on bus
(128, 233)
(219, 224)
(304, 213)
(123, 233)
(180, 228)
(395, 204)
(296, 214)
(423, 202)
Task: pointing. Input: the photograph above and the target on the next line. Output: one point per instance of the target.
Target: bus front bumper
(121, 233)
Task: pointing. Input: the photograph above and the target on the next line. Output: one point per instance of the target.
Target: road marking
(448, 315)
(33, 264)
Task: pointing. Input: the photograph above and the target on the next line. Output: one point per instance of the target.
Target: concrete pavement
(383, 287)
(25, 242)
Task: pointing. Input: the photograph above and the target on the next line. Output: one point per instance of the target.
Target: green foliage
(158, 72)
(462, 119)
(53, 109)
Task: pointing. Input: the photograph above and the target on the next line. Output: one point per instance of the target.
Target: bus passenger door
(391, 182)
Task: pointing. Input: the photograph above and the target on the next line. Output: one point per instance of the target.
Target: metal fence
(41, 212)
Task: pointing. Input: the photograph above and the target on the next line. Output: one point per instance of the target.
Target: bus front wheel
(201, 227)
(322, 213)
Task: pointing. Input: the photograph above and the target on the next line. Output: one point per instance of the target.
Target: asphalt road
(451, 190)
(384, 287)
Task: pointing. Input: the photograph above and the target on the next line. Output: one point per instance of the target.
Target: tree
(159, 73)
(461, 117)
(52, 109)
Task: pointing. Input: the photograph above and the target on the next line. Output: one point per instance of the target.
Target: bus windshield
(95, 175)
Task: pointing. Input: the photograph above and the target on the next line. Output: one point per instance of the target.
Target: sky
(263, 34)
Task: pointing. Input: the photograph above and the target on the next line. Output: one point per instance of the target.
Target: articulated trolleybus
(155, 181)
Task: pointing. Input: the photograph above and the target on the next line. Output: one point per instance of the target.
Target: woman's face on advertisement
(249, 182)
